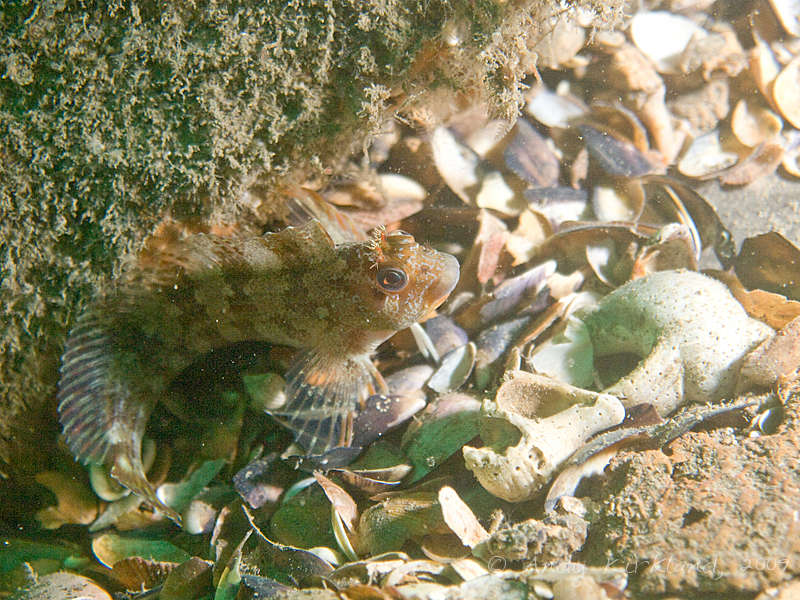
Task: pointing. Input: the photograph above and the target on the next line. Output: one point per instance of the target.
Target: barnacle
(524, 450)
(691, 333)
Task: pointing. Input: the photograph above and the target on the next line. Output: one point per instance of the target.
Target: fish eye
(392, 279)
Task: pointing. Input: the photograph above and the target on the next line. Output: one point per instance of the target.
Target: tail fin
(103, 422)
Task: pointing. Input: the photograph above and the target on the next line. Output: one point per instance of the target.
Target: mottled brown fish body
(294, 287)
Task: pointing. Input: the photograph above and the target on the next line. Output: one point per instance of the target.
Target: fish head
(408, 280)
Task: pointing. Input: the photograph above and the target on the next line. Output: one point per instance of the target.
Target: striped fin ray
(83, 406)
(102, 421)
(324, 395)
(305, 205)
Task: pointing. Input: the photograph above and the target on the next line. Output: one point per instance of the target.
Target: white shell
(567, 356)
(788, 13)
(552, 109)
(399, 187)
(663, 37)
(791, 159)
(753, 124)
(786, 92)
(497, 195)
(610, 203)
(706, 156)
(457, 163)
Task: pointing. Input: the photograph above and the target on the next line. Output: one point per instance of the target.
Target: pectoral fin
(324, 395)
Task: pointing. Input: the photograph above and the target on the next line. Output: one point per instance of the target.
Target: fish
(334, 301)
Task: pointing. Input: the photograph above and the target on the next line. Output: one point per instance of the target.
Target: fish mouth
(446, 282)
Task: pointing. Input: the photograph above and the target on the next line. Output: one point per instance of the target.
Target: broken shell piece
(773, 360)
(618, 202)
(788, 13)
(109, 489)
(791, 156)
(397, 188)
(554, 109)
(460, 518)
(445, 334)
(495, 194)
(530, 157)
(671, 248)
(786, 92)
(770, 262)
(558, 204)
(522, 453)
(381, 413)
(663, 37)
(753, 124)
(457, 163)
(762, 161)
(523, 293)
(486, 138)
(615, 156)
(690, 331)
(763, 66)
(492, 345)
(602, 258)
(532, 229)
(706, 156)
(455, 369)
(406, 382)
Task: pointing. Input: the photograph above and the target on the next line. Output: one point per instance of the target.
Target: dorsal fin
(200, 254)
(305, 205)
